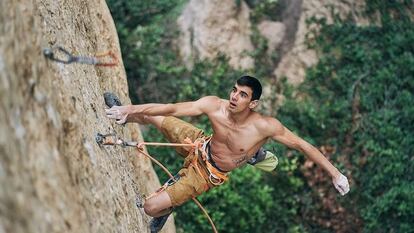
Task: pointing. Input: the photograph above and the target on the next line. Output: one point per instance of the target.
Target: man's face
(240, 98)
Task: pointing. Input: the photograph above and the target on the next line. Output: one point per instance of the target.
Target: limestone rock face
(210, 27)
(53, 175)
(274, 32)
(298, 57)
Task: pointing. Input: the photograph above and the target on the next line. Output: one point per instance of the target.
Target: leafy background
(356, 105)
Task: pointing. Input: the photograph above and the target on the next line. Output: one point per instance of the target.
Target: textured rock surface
(210, 27)
(274, 32)
(299, 57)
(53, 176)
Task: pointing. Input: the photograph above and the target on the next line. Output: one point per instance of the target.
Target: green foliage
(397, 203)
(363, 89)
(207, 78)
(263, 62)
(242, 185)
(146, 31)
(132, 13)
(264, 9)
(260, 202)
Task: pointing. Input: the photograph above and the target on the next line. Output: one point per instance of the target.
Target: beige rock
(274, 32)
(210, 27)
(294, 63)
(53, 175)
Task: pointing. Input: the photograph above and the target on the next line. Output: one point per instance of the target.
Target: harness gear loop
(61, 55)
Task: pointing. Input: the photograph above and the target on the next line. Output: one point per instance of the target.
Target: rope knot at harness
(197, 144)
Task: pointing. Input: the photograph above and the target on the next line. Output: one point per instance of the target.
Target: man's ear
(253, 104)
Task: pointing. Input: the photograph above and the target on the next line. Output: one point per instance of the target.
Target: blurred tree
(358, 99)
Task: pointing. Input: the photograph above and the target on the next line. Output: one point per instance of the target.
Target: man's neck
(239, 118)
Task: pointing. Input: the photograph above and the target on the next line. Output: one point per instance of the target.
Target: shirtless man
(239, 132)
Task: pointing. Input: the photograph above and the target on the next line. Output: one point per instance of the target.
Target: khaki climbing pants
(191, 183)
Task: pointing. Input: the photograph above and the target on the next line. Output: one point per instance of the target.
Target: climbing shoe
(157, 223)
(111, 99)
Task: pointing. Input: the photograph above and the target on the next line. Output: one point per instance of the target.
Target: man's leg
(158, 205)
(174, 129)
(144, 119)
(186, 186)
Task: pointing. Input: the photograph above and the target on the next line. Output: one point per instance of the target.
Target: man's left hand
(341, 184)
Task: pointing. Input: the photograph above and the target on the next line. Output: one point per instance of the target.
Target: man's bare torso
(233, 144)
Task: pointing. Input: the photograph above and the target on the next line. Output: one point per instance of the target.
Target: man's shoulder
(263, 119)
(212, 98)
(211, 102)
(266, 124)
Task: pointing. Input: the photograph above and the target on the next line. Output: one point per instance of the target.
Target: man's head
(253, 83)
(245, 94)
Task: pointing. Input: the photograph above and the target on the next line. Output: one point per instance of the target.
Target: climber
(238, 135)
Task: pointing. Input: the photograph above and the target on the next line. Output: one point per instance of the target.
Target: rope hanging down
(61, 55)
(109, 139)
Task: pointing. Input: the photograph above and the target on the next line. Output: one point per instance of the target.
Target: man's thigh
(177, 130)
(191, 184)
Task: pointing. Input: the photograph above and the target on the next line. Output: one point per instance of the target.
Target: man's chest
(238, 139)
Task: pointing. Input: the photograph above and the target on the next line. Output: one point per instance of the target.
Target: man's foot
(111, 99)
(157, 223)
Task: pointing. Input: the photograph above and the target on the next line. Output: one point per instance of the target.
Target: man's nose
(234, 97)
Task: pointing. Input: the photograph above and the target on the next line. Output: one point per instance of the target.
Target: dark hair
(253, 83)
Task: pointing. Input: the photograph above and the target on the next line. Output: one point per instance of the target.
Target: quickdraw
(61, 55)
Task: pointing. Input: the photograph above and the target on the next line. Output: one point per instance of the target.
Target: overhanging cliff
(53, 175)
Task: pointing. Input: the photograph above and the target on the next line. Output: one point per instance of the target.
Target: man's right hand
(119, 113)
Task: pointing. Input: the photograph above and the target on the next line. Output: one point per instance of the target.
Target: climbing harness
(215, 176)
(112, 139)
(61, 55)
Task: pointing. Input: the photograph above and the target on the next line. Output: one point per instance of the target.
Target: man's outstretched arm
(286, 137)
(204, 105)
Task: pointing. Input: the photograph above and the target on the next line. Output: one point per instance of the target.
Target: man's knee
(156, 204)
(155, 120)
(150, 207)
